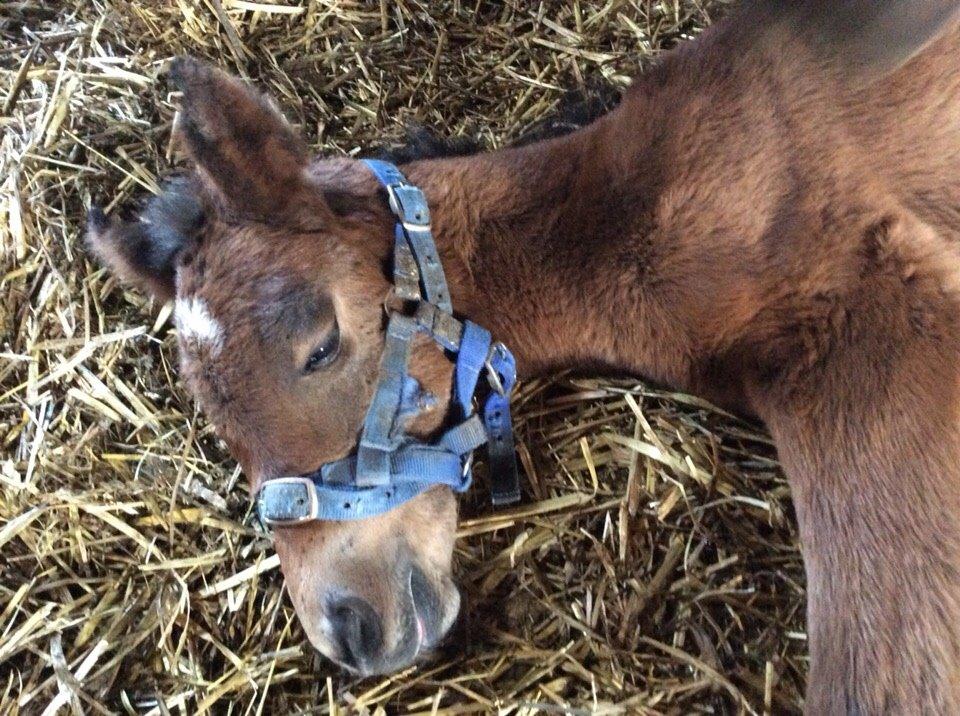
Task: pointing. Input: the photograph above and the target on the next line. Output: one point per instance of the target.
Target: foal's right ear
(145, 251)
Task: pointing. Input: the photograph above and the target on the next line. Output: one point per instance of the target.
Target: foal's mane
(576, 108)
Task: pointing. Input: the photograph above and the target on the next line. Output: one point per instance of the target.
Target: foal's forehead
(290, 304)
(196, 325)
(269, 299)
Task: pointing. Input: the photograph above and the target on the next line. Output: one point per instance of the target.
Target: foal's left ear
(240, 142)
(146, 251)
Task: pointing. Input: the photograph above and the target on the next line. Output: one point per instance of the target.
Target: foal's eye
(326, 353)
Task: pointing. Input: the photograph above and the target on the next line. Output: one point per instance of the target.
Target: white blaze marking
(194, 322)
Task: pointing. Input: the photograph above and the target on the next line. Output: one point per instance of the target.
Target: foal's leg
(865, 409)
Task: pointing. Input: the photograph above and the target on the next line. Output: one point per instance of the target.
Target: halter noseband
(390, 466)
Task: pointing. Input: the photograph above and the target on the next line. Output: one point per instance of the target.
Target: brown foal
(771, 219)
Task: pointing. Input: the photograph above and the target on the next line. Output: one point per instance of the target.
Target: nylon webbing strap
(411, 208)
(474, 348)
(406, 274)
(377, 440)
(390, 466)
(501, 452)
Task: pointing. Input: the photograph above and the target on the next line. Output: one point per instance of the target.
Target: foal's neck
(540, 244)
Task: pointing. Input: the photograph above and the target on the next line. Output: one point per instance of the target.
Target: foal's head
(278, 266)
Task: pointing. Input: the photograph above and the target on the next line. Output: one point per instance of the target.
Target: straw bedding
(654, 567)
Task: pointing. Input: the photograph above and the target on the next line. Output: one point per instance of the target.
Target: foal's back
(758, 158)
(851, 360)
(806, 214)
(910, 125)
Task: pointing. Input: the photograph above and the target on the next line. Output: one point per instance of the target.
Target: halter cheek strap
(390, 466)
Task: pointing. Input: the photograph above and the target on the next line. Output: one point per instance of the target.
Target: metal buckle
(409, 205)
(310, 497)
(393, 200)
(493, 377)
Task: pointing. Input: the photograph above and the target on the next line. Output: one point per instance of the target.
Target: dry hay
(655, 566)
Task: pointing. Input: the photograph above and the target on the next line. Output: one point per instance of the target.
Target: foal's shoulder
(891, 291)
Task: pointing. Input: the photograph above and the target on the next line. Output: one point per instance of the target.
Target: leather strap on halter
(390, 466)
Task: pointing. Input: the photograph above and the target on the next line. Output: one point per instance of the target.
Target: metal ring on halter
(493, 375)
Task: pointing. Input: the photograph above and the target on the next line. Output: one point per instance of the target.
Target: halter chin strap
(391, 466)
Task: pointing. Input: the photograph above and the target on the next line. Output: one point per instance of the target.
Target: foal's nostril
(356, 626)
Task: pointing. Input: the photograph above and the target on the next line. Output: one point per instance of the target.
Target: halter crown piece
(390, 466)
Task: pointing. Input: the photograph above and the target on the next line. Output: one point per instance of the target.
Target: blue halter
(390, 466)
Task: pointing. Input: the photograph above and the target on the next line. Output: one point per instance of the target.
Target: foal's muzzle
(360, 636)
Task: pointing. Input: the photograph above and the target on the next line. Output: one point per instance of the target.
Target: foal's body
(761, 221)
(762, 234)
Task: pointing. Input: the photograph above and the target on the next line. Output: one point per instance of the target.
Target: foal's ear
(875, 37)
(145, 251)
(239, 141)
